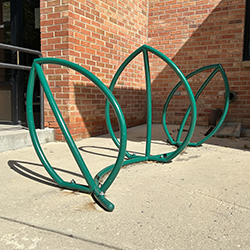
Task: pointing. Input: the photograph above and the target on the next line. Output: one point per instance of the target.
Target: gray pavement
(198, 201)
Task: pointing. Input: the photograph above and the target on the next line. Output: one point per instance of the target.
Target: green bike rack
(161, 157)
(216, 68)
(94, 187)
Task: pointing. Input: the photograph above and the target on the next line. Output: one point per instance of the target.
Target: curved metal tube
(217, 68)
(164, 157)
(92, 187)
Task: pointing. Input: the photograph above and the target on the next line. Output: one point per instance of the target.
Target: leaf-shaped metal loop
(161, 157)
(217, 68)
(93, 185)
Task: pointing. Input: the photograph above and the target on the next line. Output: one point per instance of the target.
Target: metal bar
(182, 80)
(16, 48)
(18, 57)
(149, 103)
(63, 126)
(183, 123)
(217, 68)
(14, 66)
(111, 88)
(32, 129)
(23, 67)
(92, 188)
(41, 107)
(104, 171)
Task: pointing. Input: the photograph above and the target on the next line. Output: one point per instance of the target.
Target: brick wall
(194, 34)
(98, 35)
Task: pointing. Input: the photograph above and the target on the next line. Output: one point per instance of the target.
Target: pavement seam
(59, 233)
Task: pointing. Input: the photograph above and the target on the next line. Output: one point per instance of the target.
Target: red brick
(101, 35)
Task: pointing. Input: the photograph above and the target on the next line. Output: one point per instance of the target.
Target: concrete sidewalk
(198, 201)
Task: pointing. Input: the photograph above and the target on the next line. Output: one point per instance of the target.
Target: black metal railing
(17, 66)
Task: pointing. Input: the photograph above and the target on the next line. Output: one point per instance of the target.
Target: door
(19, 26)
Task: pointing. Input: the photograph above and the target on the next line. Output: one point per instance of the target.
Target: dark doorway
(19, 26)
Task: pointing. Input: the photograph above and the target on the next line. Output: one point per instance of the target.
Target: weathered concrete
(229, 129)
(198, 201)
(14, 137)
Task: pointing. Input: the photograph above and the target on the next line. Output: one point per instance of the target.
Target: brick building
(100, 34)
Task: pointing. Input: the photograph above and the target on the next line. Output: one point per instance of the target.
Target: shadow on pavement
(18, 166)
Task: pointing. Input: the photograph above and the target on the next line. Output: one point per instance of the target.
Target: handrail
(21, 49)
(23, 67)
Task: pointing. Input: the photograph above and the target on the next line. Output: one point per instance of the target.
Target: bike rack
(217, 68)
(94, 187)
(161, 157)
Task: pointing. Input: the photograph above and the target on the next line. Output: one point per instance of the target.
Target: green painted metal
(163, 157)
(217, 68)
(92, 186)
(149, 101)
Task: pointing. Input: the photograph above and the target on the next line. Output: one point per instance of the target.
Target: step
(15, 137)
